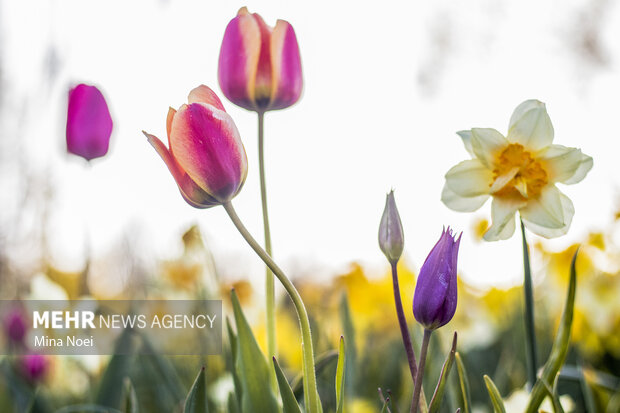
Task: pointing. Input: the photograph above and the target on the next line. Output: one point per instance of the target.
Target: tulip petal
(486, 144)
(260, 84)
(89, 124)
(204, 94)
(568, 211)
(207, 145)
(503, 219)
(194, 196)
(461, 204)
(531, 126)
(287, 81)
(469, 178)
(547, 210)
(238, 59)
(466, 137)
(171, 113)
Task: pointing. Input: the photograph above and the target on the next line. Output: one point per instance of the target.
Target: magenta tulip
(260, 66)
(205, 155)
(35, 367)
(89, 124)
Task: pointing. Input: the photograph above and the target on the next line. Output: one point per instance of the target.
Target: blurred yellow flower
(520, 172)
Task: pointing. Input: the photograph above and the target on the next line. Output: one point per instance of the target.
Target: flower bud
(434, 301)
(15, 326)
(259, 66)
(391, 235)
(89, 124)
(35, 367)
(205, 156)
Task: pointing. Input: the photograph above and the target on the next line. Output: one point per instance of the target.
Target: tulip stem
(311, 395)
(530, 332)
(269, 280)
(417, 388)
(402, 321)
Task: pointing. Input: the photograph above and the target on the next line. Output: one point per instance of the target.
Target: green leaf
(560, 345)
(233, 404)
(348, 330)
(196, 401)
(322, 361)
(87, 408)
(340, 377)
(443, 379)
(464, 382)
(165, 371)
(555, 401)
(130, 402)
(233, 349)
(289, 401)
(252, 366)
(111, 387)
(496, 398)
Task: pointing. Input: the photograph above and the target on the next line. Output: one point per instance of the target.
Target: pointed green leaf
(233, 349)
(464, 382)
(252, 366)
(289, 401)
(443, 378)
(130, 403)
(233, 404)
(560, 345)
(196, 401)
(348, 330)
(340, 377)
(164, 370)
(322, 361)
(496, 398)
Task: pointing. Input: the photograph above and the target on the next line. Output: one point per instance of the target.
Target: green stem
(311, 395)
(269, 280)
(420, 375)
(530, 333)
(402, 322)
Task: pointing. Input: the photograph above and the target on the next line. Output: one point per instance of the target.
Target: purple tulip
(89, 124)
(434, 301)
(35, 367)
(15, 326)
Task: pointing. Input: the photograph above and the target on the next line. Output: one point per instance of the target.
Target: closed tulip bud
(89, 124)
(15, 326)
(35, 367)
(391, 235)
(434, 301)
(259, 66)
(205, 155)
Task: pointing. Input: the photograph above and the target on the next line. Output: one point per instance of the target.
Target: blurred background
(385, 90)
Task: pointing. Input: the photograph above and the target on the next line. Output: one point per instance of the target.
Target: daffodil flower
(519, 172)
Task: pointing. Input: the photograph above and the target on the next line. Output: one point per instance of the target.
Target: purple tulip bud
(89, 124)
(15, 326)
(391, 235)
(35, 367)
(434, 301)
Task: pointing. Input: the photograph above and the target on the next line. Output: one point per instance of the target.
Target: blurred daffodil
(519, 172)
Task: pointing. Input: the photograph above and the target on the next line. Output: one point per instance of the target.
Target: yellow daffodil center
(517, 174)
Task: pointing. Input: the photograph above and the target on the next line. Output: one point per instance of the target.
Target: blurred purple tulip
(89, 124)
(434, 301)
(15, 326)
(35, 367)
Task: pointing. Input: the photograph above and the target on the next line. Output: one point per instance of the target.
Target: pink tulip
(259, 66)
(15, 326)
(205, 156)
(89, 124)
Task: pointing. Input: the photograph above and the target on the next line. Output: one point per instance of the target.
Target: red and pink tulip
(260, 66)
(205, 154)
(89, 124)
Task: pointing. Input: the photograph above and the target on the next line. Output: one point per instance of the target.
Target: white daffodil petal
(531, 126)
(546, 210)
(469, 178)
(486, 144)
(582, 170)
(503, 219)
(560, 162)
(568, 210)
(461, 204)
(466, 137)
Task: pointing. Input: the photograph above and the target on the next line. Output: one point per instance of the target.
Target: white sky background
(385, 90)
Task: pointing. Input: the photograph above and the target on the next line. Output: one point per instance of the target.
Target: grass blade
(443, 378)
(340, 377)
(196, 401)
(496, 398)
(289, 401)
